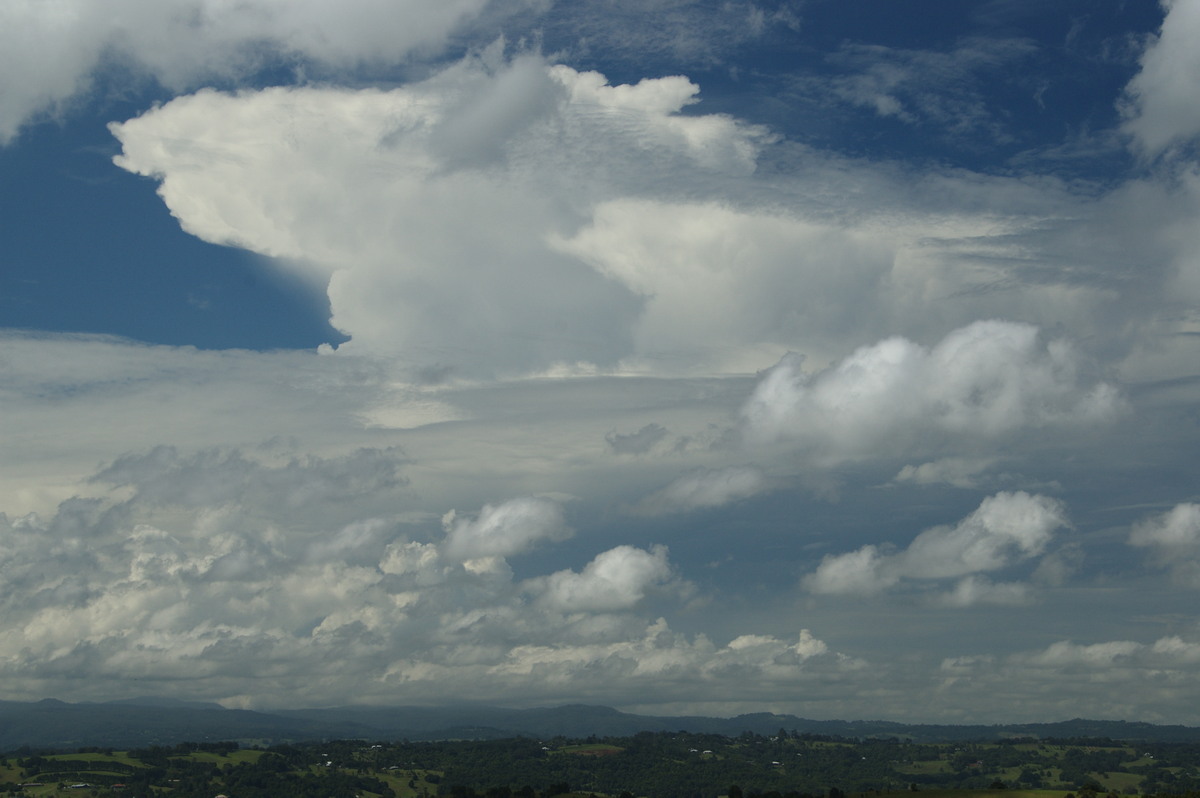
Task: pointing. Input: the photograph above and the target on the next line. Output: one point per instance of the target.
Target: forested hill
(582, 720)
(142, 722)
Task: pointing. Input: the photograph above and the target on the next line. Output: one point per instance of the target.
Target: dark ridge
(147, 721)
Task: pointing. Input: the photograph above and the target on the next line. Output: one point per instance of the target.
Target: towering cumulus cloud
(433, 238)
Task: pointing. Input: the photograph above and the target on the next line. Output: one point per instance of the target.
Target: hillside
(152, 721)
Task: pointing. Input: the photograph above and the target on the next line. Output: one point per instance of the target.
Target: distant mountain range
(143, 722)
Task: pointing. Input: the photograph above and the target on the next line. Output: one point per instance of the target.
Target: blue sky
(835, 358)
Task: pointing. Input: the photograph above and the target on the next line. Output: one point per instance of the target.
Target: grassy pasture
(115, 756)
(591, 749)
(231, 758)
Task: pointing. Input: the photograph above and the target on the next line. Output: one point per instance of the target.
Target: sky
(831, 357)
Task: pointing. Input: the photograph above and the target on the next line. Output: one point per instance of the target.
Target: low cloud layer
(203, 576)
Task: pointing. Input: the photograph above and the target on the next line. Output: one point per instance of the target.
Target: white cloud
(961, 472)
(975, 590)
(1162, 110)
(1174, 648)
(725, 289)
(1006, 529)
(430, 236)
(984, 380)
(643, 259)
(1175, 531)
(864, 572)
(676, 665)
(199, 588)
(49, 50)
(1174, 542)
(602, 228)
(615, 580)
(1118, 678)
(1098, 655)
(504, 530)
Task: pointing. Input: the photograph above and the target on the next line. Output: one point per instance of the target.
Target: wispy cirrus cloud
(933, 90)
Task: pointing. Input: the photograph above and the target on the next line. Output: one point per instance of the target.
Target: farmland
(652, 764)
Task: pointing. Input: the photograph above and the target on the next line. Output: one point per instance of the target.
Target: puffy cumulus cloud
(230, 574)
(1006, 529)
(863, 572)
(49, 51)
(504, 530)
(983, 380)
(615, 580)
(1173, 539)
(1161, 109)
(1177, 530)
(706, 488)
(430, 236)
